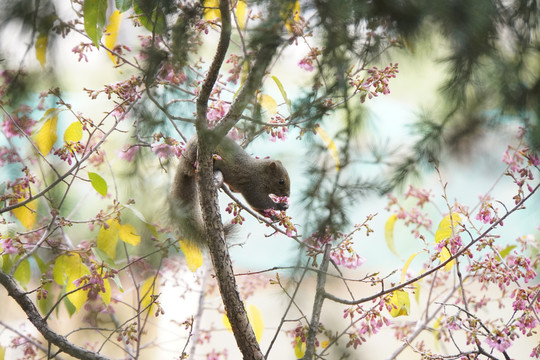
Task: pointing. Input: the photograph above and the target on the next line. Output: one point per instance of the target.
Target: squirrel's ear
(274, 165)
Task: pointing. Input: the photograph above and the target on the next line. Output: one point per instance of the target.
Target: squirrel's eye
(281, 181)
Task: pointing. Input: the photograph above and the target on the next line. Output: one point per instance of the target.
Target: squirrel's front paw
(218, 178)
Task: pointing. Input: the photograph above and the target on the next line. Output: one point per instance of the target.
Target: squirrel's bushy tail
(184, 209)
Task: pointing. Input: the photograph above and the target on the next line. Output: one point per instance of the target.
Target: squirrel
(254, 178)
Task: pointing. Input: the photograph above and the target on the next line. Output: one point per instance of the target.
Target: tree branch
(317, 304)
(41, 325)
(213, 72)
(73, 168)
(441, 265)
(221, 261)
(272, 39)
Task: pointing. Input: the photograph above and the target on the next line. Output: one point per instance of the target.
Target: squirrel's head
(278, 183)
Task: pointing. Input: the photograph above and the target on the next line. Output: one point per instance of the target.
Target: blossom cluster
(18, 123)
(521, 161)
(369, 322)
(235, 209)
(283, 220)
(277, 132)
(165, 146)
(413, 218)
(342, 253)
(376, 83)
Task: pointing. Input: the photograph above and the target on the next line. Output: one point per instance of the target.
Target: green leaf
(95, 17)
(102, 256)
(157, 21)
(141, 217)
(123, 5)
(504, 252)
(98, 183)
(46, 304)
(23, 273)
(299, 348)
(7, 263)
(69, 307)
(2, 352)
(43, 267)
(118, 283)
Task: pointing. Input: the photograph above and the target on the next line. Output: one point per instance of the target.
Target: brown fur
(254, 178)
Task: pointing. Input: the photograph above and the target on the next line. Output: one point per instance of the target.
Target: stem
(291, 302)
(441, 265)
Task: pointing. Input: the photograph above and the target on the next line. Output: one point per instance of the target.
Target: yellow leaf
(268, 103)
(26, 214)
(445, 229)
(59, 273)
(67, 269)
(406, 266)
(46, 136)
(417, 292)
(389, 233)
(108, 237)
(400, 303)
(41, 48)
(146, 291)
(241, 14)
(211, 11)
(111, 33)
(73, 132)
(79, 297)
(291, 15)
(193, 254)
(445, 255)
(106, 296)
(330, 145)
(436, 328)
(226, 322)
(128, 234)
(299, 348)
(255, 319)
(2, 352)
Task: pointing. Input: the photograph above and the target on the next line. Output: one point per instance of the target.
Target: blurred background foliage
(489, 50)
